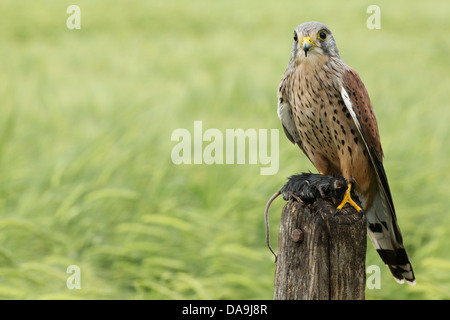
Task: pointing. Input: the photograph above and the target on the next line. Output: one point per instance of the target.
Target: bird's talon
(348, 199)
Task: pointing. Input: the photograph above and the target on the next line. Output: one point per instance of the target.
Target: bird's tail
(385, 234)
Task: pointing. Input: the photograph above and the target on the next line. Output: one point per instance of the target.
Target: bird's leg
(348, 199)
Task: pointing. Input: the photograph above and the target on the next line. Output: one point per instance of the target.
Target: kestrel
(325, 109)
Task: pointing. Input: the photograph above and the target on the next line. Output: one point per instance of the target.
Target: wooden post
(321, 255)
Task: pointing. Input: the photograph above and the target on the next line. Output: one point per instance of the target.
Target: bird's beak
(306, 44)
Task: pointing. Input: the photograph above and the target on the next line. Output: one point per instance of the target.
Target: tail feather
(385, 234)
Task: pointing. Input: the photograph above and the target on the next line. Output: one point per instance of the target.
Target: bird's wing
(285, 111)
(383, 228)
(287, 118)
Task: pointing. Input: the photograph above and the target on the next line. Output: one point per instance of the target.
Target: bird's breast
(329, 136)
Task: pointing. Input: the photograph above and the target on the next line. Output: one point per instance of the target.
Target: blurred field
(86, 176)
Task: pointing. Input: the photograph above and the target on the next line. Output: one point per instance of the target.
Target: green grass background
(86, 176)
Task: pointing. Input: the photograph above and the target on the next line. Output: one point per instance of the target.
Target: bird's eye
(295, 36)
(322, 35)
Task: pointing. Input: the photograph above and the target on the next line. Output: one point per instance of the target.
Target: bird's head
(313, 42)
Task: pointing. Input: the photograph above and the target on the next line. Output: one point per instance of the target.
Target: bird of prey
(325, 109)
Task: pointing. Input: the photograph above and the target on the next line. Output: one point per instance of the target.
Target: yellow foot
(348, 199)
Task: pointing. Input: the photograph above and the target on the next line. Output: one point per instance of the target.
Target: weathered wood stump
(321, 255)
